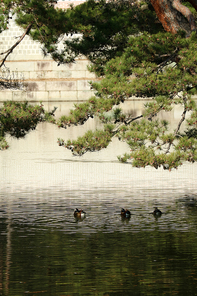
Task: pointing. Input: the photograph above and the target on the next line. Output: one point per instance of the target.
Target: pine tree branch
(9, 51)
(182, 119)
(126, 122)
(38, 27)
(185, 12)
(170, 58)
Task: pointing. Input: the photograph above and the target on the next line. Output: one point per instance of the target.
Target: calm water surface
(45, 251)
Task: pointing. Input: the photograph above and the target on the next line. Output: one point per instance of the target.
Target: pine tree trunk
(174, 16)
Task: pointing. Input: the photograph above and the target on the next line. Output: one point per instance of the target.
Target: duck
(79, 213)
(125, 213)
(157, 212)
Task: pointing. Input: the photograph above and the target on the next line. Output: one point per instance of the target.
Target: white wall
(45, 80)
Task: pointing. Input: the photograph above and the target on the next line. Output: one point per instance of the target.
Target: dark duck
(156, 212)
(125, 213)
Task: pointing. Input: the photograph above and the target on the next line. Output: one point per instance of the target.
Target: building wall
(45, 81)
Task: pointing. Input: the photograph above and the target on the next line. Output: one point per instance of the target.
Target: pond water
(44, 250)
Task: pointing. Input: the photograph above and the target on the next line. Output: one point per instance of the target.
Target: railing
(11, 79)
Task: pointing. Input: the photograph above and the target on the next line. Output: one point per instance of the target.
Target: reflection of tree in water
(8, 255)
(11, 79)
(5, 255)
(1, 262)
(46, 254)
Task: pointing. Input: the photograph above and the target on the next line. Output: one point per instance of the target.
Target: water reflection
(44, 250)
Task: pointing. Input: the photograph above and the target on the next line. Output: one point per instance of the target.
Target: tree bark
(174, 16)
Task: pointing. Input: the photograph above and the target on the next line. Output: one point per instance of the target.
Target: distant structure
(66, 3)
(45, 81)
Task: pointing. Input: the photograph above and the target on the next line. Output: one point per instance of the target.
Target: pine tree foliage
(134, 55)
(162, 67)
(17, 119)
(99, 29)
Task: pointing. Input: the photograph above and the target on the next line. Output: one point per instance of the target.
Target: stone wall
(48, 82)
(45, 81)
